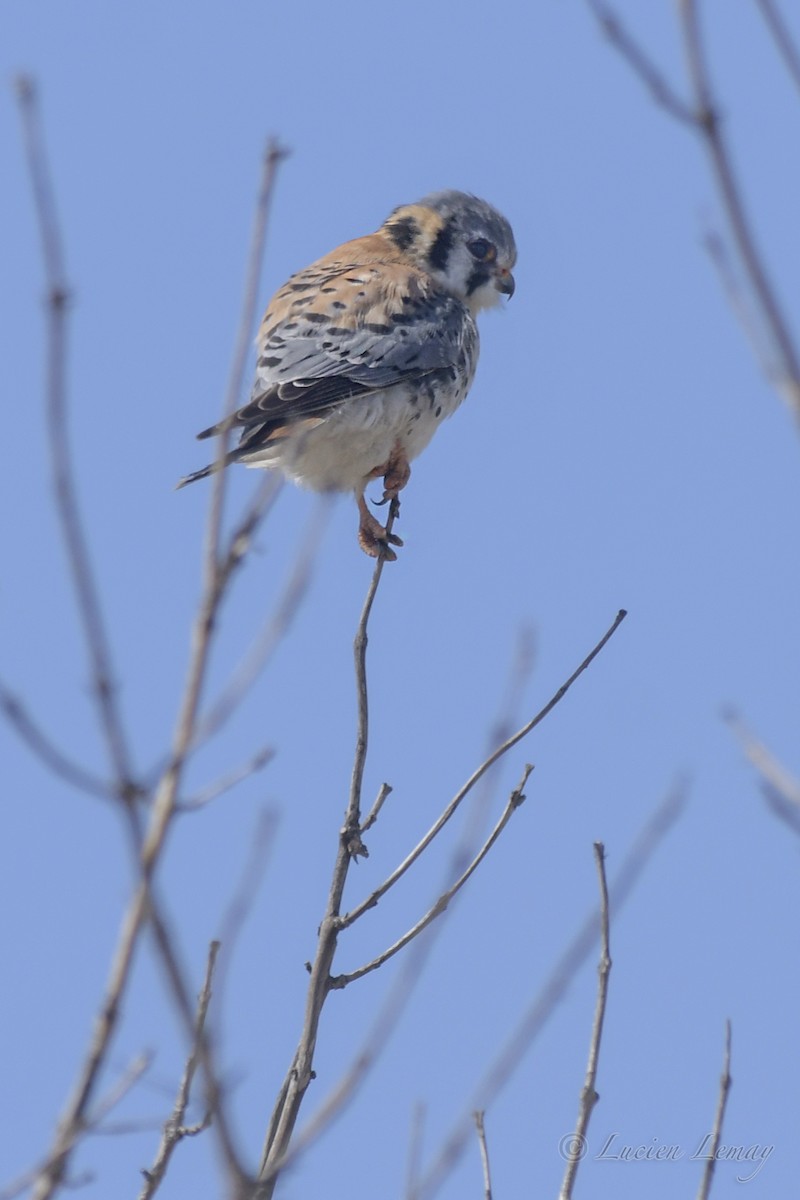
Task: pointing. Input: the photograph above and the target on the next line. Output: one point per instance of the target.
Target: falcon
(364, 353)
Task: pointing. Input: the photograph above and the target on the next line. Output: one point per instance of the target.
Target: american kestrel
(364, 353)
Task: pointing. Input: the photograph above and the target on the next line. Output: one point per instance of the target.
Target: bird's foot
(396, 472)
(373, 537)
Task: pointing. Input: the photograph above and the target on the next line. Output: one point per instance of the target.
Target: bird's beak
(504, 281)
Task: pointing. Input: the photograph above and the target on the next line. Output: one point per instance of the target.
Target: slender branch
(273, 632)
(149, 846)
(716, 1134)
(641, 64)
(117, 1093)
(174, 1129)
(749, 320)
(384, 792)
(515, 800)
(415, 1148)
(227, 781)
(708, 123)
(781, 789)
(589, 1095)
(552, 993)
(290, 1098)
(497, 754)
(78, 557)
(782, 38)
(487, 1174)
(274, 155)
(47, 752)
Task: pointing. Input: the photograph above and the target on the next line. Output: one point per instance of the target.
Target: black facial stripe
(442, 245)
(403, 232)
(477, 279)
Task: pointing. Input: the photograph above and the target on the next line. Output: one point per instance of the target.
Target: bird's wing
(358, 320)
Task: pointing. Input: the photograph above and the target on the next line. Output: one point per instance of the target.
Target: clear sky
(620, 448)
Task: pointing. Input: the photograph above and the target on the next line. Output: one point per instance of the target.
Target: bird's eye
(482, 250)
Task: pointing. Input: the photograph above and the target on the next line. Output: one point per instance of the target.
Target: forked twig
(147, 845)
(641, 64)
(438, 907)
(39, 743)
(290, 1098)
(551, 994)
(589, 1095)
(175, 1129)
(286, 1110)
(488, 762)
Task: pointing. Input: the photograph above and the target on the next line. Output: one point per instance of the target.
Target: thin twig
(641, 64)
(487, 1174)
(273, 632)
(710, 127)
(750, 321)
(47, 752)
(438, 907)
(227, 781)
(716, 1134)
(552, 993)
(501, 750)
(290, 1098)
(78, 557)
(384, 792)
(274, 155)
(782, 38)
(781, 788)
(174, 1129)
(143, 905)
(415, 1147)
(117, 1093)
(589, 1095)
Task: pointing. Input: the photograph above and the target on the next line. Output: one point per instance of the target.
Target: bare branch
(641, 64)
(79, 560)
(174, 1129)
(274, 155)
(415, 1148)
(290, 1098)
(228, 781)
(516, 799)
(709, 125)
(552, 993)
(722, 1103)
(487, 1174)
(589, 1095)
(781, 788)
(497, 754)
(273, 632)
(384, 792)
(741, 307)
(782, 38)
(47, 752)
(149, 846)
(128, 1080)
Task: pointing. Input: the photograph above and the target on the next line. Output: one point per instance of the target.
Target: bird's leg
(372, 536)
(396, 474)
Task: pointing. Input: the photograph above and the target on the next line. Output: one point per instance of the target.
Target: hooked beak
(504, 281)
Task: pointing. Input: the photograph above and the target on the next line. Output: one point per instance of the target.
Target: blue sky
(620, 448)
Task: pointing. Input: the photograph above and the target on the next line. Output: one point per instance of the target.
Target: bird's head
(465, 244)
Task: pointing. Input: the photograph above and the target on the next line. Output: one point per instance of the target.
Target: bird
(363, 354)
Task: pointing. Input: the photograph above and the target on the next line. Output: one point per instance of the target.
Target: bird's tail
(209, 470)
